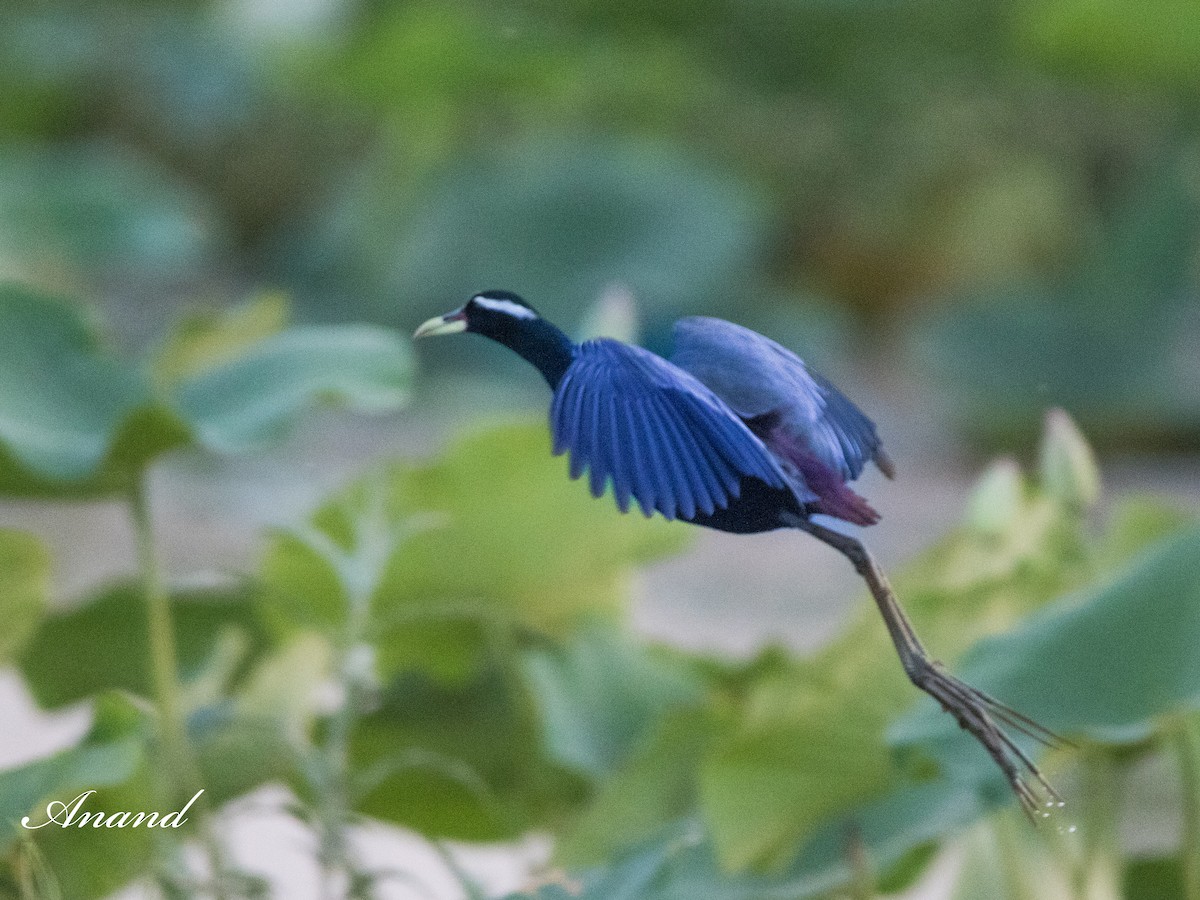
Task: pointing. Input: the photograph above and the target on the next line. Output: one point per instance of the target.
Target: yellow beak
(450, 323)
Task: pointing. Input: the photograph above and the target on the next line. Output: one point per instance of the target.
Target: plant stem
(162, 635)
(1187, 742)
(1101, 807)
(181, 773)
(465, 881)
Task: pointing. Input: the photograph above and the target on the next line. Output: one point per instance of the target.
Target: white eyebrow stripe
(516, 310)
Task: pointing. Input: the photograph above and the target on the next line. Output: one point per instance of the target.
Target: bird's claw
(978, 713)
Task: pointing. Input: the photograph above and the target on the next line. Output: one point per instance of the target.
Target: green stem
(335, 811)
(1187, 743)
(1101, 809)
(181, 775)
(465, 881)
(336, 857)
(163, 659)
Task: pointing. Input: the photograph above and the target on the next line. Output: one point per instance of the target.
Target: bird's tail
(841, 502)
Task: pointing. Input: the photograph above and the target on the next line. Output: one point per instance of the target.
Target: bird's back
(759, 378)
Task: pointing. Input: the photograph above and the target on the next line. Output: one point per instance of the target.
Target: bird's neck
(541, 344)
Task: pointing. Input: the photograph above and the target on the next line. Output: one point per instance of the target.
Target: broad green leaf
(599, 695)
(86, 425)
(1137, 522)
(108, 755)
(768, 786)
(459, 762)
(657, 785)
(255, 396)
(111, 760)
(1006, 353)
(72, 210)
(1106, 662)
(577, 215)
(284, 686)
(96, 865)
(63, 422)
(236, 754)
(258, 733)
(521, 541)
(105, 638)
(24, 585)
(681, 864)
(302, 587)
(1157, 42)
(209, 338)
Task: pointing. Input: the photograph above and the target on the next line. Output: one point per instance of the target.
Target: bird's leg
(974, 710)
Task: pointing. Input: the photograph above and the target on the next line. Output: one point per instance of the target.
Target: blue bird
(734, 433)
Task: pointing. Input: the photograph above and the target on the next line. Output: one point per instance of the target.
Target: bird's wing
(757, 376)
(659, 435)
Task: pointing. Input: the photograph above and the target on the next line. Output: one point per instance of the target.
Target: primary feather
(656, 433)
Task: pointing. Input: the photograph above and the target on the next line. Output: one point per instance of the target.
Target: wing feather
(654, 432)
(756, 376)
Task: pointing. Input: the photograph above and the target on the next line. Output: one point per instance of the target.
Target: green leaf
(102, 638)
(681, 864)
(577, 214)
(657, 785)
(1007, 353)
(111, 760)
(810, 741)
(24, 585)
(492, 533)
(88, 424)
(459, 761)
(259, 732)
(245, 401)
(302, 587)
(600, 694)
(520, 541)
(63, 422)
(108, 755)
(209, 338)
(1105, 662)
(767, 787)
(1156, 878)
(70, 211)
(1159, 42)
(1136, 523)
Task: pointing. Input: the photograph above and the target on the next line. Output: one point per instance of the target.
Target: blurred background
(964, 213)
(980, 210)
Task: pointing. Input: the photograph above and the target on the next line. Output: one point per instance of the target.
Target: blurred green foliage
(471, 618)
(1002, 195)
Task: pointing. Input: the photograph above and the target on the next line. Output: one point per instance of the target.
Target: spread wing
(756, 376)
(654, 432)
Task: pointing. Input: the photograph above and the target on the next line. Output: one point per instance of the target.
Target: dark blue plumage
(655, 433)
(734, 433)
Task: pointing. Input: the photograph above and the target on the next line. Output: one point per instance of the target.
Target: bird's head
(490, 313)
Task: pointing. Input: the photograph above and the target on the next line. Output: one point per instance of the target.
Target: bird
(734, 432)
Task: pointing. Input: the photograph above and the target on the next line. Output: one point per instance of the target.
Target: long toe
(977, 713)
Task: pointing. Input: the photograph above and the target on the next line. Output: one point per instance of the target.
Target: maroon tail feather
(834, 496)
